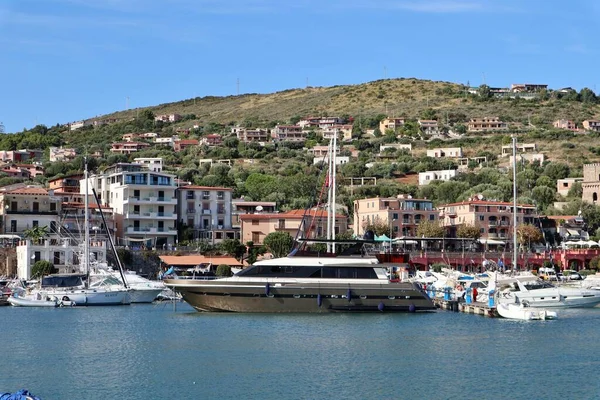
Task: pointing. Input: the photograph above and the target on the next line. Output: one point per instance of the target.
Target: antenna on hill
(238, 86)
(127, 102)
(1, 127)
(307, 81)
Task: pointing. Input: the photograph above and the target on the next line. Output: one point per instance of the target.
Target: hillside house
(527, 87)
(486, 124)
(182, 144)
(62, 154)
(448, 152)
(390, 123)
(251, 135)
(521, 148)
(564, 185)
(591, 125)
(212, 139)
(426, 177)
(168, 117)
(288, 133)
(428, 126)
(128, 147)
(565, 124)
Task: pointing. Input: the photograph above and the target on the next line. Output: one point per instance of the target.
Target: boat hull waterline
(301, 297)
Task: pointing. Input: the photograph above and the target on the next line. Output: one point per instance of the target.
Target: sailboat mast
(332, 206)
(514, 151)
(86, 225)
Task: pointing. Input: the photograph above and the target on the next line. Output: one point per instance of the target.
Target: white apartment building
(154, 164)
(144, 204)
(208, 211)
(64, 253)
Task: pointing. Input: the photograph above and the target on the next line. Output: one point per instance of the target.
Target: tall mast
(332, 208)
(86, 227)
(329, 193)
(514, 151)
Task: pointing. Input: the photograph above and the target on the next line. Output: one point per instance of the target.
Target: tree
(233, 247)
(587, 95)
(279, 243)
(378, 226)
(42, 268)
(431, 229)
(224, 270)
(484, 92)
(36, 234)
(556, 171)
(528, 234)
(576, 190)
(468, 232)
(543, 196)
(595, 263)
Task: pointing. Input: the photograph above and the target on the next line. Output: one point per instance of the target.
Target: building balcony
(149, 215)
(206, 211)
(150, 200)
(190, 211)
(146, 230)
(31, 212)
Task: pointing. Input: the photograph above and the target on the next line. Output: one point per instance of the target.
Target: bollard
(491, 294)
(468, 298)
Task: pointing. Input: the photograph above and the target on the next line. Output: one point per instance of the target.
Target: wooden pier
(478, 308)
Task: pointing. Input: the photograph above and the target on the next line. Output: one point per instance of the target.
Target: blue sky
(64, 60)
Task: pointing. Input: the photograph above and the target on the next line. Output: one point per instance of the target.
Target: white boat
(30, 300)
(141, 290)
(522, 312)
(533, 292)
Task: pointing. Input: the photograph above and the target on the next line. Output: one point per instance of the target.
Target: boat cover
(22, 394)
(62, 280)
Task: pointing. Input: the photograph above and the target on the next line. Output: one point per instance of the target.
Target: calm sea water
(154, 352)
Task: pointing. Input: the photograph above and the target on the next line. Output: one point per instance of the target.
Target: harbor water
(156, 352)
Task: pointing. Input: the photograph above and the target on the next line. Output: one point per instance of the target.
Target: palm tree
(36, 234)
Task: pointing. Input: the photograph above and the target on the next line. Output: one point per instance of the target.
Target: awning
(490, 241)
(573, 232)
(8, 236)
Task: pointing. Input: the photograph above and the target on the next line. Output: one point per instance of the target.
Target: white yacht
(141, 290)
(307, 284)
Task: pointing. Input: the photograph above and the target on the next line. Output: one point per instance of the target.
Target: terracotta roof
(293, 214)
(565, 217)
(187, 141)
(195, 187)
(486, 203)
(30, 190)
(199, 259)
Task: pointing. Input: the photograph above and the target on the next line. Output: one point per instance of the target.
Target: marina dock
(478, 308)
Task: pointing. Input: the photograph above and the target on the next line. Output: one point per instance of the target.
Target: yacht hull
(144, 295)
(302, 297)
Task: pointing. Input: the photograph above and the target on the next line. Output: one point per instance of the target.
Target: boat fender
(349, 295)
(381, 306)
(412, 308)
(267, 289)
(319, 300)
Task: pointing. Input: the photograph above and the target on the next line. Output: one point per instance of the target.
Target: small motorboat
(32, 301)
(524, 312)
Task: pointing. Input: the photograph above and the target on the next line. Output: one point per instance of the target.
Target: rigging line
(112, 245)
(314, 197)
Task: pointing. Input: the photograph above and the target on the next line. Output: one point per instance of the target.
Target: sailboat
(74, 289)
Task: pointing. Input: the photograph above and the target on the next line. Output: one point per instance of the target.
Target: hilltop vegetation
(285, 173)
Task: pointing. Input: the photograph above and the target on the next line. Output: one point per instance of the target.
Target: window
(205, 195)
(220, 195)
(53, 206)
(432, 217)
(35, 224)
(481, 218)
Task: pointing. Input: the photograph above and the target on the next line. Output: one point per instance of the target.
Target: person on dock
(474, 294)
